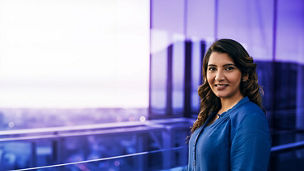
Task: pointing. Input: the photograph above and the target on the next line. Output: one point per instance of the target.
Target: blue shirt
(238, 140)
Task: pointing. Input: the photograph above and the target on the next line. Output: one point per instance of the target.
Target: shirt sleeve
(251, 144)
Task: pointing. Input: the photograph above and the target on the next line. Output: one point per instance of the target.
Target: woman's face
(223, 76)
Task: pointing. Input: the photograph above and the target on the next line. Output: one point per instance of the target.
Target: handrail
(287, 147)
(96, 129)
(104, 159)
(76, 134)
(55, 130)
(71, 128)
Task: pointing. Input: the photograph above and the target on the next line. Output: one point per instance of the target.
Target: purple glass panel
(249, 22)
(196, 75)
(158, 81)
(290, 31)
(200, 19)
(168, 15)
(178, 77)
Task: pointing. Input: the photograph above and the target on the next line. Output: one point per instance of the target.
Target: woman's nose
(219, 75)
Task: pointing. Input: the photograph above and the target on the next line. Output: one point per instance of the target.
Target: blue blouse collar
(242, 101)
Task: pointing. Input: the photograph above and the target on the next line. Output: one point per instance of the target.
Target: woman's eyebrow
(228, 65)
(211, 65)
(225, 65)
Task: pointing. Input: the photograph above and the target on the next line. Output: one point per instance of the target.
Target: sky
(74, 54)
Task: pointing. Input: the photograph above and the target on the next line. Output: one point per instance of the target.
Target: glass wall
(271, 31)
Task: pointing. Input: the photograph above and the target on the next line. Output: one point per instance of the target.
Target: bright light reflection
(67, 53)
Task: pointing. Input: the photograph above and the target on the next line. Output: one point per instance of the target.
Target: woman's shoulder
(248, 113)
(250, 121)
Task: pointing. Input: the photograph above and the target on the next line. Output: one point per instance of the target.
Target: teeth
(220, 85)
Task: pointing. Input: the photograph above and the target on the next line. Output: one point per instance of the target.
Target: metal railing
(287, 147)
(117, 159)
(162, 133)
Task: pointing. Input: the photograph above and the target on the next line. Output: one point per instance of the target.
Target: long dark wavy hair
(250, 87)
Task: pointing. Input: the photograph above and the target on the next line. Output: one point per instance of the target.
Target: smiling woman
(231, 126)
(67, 53)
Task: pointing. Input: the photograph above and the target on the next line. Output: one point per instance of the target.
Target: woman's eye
(211, 68)
(229, 68)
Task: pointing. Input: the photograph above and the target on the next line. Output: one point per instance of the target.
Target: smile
(221, 85)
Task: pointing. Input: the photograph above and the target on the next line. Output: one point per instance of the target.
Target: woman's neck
(229, 103)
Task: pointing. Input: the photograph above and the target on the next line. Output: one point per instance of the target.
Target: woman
(231, 131)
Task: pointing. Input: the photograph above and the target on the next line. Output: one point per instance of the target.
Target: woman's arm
(251, 144)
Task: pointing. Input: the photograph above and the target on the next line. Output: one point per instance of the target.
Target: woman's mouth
(221, 86)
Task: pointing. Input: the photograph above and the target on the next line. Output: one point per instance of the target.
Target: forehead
(217, 58)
